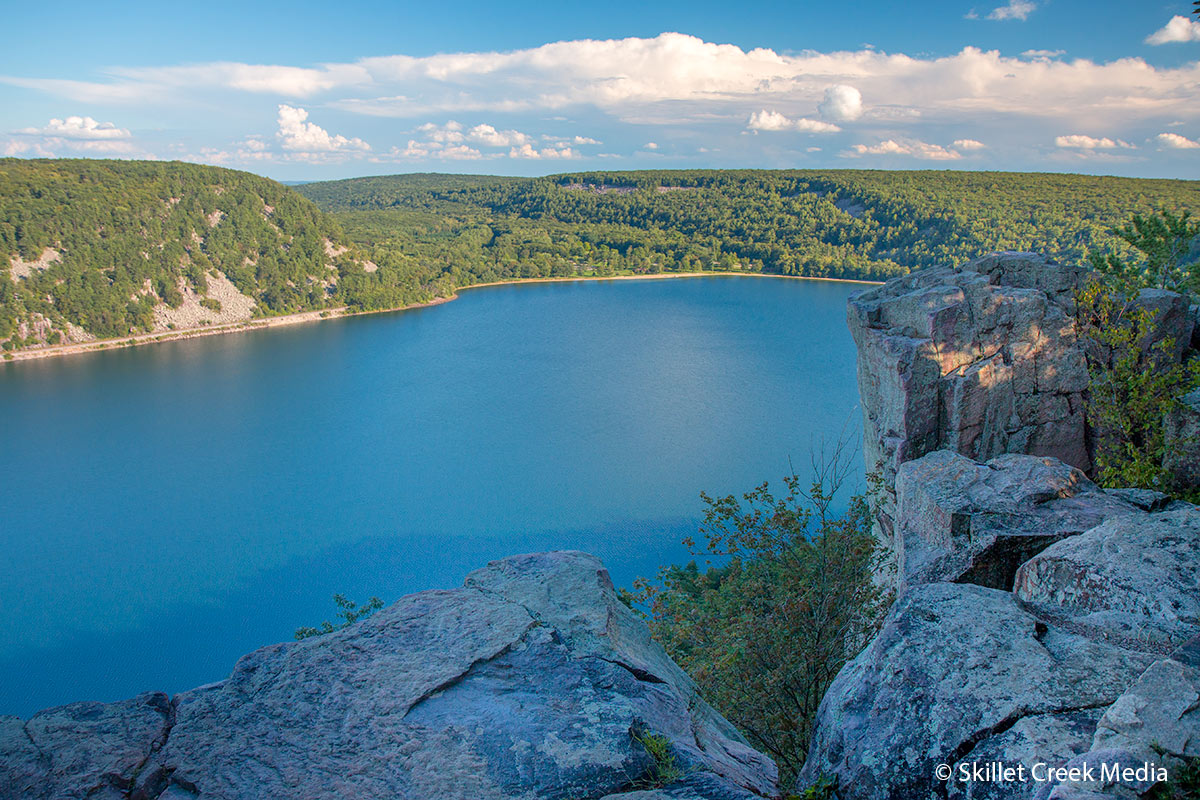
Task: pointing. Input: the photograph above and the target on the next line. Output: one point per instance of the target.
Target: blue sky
(305, 90)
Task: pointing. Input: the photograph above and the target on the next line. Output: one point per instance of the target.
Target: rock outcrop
(531, 681)
(958, 520)
(1040, 620)
(982, 360)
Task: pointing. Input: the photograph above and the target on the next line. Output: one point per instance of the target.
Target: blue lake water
(165, 509)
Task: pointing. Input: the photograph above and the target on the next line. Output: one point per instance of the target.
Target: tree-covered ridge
(102, 244)
(823, 223)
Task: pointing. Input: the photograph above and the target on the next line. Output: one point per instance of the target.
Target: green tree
(1134, 380)
(765, 634)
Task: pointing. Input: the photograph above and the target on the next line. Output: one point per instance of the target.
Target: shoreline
(301, 317)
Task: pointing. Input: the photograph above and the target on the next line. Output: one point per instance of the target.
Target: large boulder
(962, 674)
(959, 520)
(531, 681)
(1133, 578)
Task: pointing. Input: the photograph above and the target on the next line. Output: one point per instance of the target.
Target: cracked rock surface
(531, 681)
(960, 673)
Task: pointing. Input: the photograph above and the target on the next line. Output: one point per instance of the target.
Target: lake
(165, 509)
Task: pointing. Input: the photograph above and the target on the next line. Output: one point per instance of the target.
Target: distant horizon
(301, 181)
(1058, 86)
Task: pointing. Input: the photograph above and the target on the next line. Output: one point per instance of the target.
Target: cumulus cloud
(913, 148)
(1176, 142)
(1043, 53)
(1179, 29)
(842, 103)
(651, 145)
(298, 135)
(529, 151)
(969, 144)
(79, 134)
(488, 135)
(1082, 142)
(774, 121)
(1016, 9)
(84, 128)
(676, 78)
(679, 80)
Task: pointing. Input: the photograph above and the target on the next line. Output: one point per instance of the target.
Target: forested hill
(92, 248)
(828, 223)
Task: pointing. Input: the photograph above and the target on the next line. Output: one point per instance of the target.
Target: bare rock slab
(531, 681)
(1132, 578)
(961, 673)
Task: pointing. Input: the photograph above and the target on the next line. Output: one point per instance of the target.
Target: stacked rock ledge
(1040, 619)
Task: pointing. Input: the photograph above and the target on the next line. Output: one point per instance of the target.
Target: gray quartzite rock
(982, 360)
(1156, 721)
(1133, 578)
(532, 681)
(960, 670)
(958, 520)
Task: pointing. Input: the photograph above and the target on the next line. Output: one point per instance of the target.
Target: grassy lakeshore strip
(136, 340)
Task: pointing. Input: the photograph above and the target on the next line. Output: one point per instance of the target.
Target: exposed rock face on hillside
(1039, 619)
(531, 681)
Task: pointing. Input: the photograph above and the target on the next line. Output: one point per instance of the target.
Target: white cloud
(586, 140)
(1082, 142)
(1043, 53)
(1016, 9)
(913, 148)
(78, 134)
(488, 135)
(83, 128)
(842, 103)
(969, 144)
(651, 145)
(1177, 142)
(774, 121)
(529, 151)
(1179, 29)
(297, 135)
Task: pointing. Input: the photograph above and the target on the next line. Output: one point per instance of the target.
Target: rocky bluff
(1040, 622)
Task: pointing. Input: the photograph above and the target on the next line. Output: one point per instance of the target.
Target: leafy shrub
(349, 612)
(1134, 384)
(211, 303)
(764, 635)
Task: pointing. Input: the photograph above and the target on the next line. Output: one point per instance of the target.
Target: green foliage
(824, 789)
(1183, 785)
(124, 235)
(820, 223)
(665, 769)
(1162, 254)
(1135, 381)
(348, 611)
(211, 303)
(1132, 387)
(765, 634)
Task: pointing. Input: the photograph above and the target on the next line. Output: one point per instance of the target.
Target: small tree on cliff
(1134, 383)
(764, 635)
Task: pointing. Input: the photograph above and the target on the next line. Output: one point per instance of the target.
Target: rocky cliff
(1041, 622)
(531, 681)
